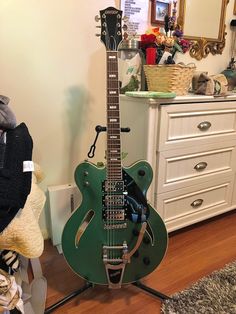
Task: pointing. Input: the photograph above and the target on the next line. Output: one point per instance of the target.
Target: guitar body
(87, 231)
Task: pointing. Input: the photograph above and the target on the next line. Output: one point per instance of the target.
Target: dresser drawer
(196, 123)
(183, 207)
(189, 166)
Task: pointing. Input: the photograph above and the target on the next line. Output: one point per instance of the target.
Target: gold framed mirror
(203, 22)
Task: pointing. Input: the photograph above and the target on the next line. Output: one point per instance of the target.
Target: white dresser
(190, 142)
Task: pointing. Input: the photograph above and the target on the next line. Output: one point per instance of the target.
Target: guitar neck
(114, 169)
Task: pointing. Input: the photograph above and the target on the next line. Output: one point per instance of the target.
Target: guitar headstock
(111, 30)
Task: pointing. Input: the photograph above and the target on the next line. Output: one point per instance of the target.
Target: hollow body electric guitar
(115, 237)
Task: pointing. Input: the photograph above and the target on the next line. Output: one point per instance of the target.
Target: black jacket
(15, 184)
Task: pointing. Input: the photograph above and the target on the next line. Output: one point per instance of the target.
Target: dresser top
(190, 98)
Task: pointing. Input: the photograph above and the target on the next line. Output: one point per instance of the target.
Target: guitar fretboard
(114, 169)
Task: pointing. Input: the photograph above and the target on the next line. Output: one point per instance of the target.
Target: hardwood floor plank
(193, 252)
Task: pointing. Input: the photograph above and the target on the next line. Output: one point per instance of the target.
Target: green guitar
(115, 237)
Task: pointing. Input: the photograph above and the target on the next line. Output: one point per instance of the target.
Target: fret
(113, 113)
(113, 85)
(117, 171)
(112, 99)
(113, 170)
(111, 124)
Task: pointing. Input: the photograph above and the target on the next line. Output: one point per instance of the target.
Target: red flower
(147, 40)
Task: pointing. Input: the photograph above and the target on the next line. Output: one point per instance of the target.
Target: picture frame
(158, 11)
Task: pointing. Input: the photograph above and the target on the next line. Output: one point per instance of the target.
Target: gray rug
(214, 294)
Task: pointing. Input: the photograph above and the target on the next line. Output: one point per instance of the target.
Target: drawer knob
(197, 203)
(203, 126)
(200, 166)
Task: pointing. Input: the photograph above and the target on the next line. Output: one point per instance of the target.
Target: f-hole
(86, 221)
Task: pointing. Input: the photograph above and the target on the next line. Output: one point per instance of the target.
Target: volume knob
(141, 172)
(146, 260)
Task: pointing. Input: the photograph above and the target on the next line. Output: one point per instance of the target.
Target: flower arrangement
(164, 43)
(168, 39)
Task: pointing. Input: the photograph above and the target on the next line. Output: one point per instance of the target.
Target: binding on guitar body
(115, 237)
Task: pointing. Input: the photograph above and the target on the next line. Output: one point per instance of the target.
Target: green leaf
(123, 155)
(178, 47)
(100, 164)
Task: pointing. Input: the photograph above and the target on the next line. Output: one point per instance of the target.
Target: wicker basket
(169, 77)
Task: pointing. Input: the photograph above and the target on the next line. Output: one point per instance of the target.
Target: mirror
(203, 22)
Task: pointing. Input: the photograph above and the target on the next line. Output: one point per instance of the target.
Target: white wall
(53, 70)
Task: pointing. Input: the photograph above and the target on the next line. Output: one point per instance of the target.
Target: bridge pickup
(117, 215)
(113, 186)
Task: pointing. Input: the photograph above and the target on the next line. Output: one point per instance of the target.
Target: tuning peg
(97, 18)
(125, 19)
(98, 35)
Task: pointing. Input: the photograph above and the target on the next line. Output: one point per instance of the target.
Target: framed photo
(158, 11)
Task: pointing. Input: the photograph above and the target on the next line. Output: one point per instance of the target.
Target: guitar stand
(98, 130)
(88, 285)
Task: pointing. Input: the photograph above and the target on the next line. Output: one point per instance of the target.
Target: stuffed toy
(210, 84)
(23, 234)
(10, 294)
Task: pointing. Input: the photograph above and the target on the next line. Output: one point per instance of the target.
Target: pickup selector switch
(135, 232)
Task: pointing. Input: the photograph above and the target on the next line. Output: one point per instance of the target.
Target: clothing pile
(21, 202)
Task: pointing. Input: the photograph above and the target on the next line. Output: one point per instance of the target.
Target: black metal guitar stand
(88, 285)
(53, 307)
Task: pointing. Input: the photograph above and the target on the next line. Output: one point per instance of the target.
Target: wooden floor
(193, 252)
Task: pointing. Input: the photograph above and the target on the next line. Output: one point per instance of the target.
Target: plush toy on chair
(23, 234)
